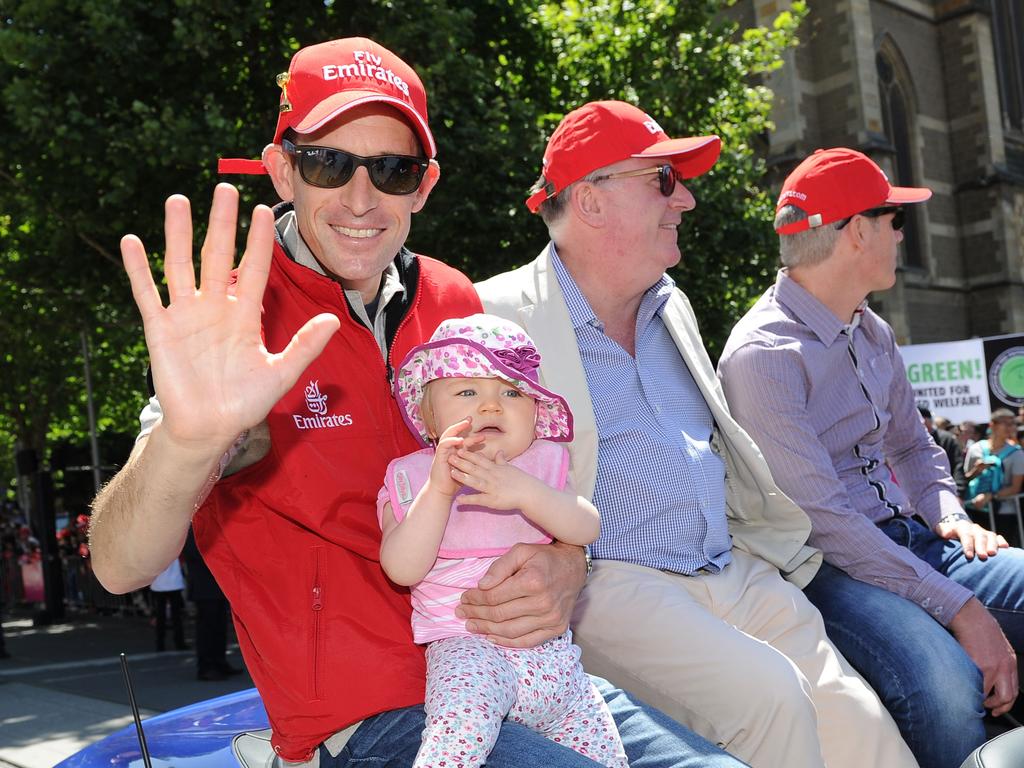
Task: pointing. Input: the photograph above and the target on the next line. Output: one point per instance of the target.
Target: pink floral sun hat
(480, 347)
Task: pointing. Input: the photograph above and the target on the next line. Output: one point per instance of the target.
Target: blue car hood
(196, 736)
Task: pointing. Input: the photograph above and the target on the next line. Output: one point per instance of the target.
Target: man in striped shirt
(816, 378)
(686, 606)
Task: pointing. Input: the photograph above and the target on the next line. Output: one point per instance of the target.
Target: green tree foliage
(696, 73)
(109, 107)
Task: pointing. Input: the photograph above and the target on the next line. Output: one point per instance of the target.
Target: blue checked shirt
(660, 486)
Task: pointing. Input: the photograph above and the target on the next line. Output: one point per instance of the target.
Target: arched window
(1008, 38)
(896, 123)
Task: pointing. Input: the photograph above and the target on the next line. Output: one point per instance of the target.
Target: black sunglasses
(330, 168)
(666, 177)
(898, 218)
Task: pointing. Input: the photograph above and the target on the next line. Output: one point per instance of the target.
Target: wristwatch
(955, 517)
(590, 561)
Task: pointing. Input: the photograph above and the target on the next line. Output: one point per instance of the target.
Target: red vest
(294, 541)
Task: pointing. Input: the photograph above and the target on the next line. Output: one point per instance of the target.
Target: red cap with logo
(834, 184)
(327, 79)
(604, 132)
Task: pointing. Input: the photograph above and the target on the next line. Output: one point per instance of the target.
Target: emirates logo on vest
(316, 402)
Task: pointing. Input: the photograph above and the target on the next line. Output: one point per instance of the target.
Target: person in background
(967, 433)
(167, 590)
(994, 467)
(948, 443)
(211, 636)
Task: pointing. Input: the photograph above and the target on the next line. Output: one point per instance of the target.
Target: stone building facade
(933, 91)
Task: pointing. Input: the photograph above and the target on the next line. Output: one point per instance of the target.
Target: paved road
(63, 688)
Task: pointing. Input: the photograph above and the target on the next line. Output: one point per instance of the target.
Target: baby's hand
(499, 485)
(452, 439)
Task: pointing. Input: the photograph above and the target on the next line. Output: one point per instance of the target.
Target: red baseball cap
(604, 132)
(327, 79)
(834, 184)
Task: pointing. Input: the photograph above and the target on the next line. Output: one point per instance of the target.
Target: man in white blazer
(685, 606)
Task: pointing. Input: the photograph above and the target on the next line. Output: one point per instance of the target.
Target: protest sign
(949, 379)
(967, 380)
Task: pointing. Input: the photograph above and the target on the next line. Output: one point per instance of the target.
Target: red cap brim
(692, 156)
(903, 195)
(337, 103)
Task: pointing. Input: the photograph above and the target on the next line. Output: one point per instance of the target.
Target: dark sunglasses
(330, 168)
(666, 177)
(898, 219)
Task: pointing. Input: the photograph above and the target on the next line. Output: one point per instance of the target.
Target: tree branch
(81, 235)
(99, 248)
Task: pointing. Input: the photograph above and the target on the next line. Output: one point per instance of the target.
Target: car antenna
(135, 712)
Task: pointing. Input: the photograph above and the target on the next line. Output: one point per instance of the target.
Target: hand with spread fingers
(497, 483)
(213, 375)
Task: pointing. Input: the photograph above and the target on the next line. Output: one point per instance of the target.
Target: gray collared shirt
(830, 406)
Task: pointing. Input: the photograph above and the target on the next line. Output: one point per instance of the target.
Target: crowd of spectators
(18, 548)
(969, 446)
(21, 567)
(21, 561)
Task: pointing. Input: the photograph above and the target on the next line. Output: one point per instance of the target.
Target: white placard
(950, 379)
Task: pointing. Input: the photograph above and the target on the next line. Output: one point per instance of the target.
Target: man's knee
(942, 691)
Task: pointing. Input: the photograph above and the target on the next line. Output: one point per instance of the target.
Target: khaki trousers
(740, 657)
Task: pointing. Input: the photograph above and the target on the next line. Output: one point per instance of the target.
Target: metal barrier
(96, 598)
(82, 590)
(1009, 506)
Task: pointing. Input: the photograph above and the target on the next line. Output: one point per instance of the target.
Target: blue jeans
(926, 680)
(652, 740)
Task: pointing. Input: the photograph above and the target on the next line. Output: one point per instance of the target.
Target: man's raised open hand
(213, 376)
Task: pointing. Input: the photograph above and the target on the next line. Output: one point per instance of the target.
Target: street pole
(97, 479)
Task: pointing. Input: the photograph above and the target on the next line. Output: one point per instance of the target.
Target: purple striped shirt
(828, 403)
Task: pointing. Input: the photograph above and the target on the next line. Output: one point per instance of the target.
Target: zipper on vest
(318, 604)
(391, 342)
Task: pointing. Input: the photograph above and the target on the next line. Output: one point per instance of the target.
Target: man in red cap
(816, 378)
(303, 433)
(685, 606)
